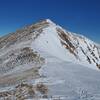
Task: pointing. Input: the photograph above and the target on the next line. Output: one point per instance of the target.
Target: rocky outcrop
(25, 91)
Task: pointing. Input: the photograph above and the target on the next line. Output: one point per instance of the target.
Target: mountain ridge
(74, 43)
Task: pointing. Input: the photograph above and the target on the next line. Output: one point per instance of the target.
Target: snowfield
(73, 81)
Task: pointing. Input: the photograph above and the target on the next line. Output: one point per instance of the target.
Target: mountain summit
(45, 49)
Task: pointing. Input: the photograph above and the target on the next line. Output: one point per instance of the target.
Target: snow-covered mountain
(35, 51)
(66, 45)
(52, 39)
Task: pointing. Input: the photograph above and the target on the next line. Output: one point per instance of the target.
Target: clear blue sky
(81, 16)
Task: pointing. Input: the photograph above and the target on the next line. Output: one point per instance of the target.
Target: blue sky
(80, 16)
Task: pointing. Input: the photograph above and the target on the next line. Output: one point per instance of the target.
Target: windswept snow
(74, 81)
